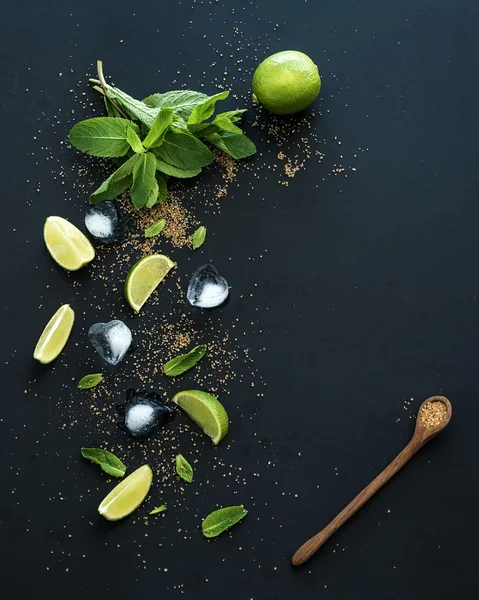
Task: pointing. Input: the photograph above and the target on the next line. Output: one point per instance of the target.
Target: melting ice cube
(103, 222)
(144, 413)
(111, 340)
(207, 289)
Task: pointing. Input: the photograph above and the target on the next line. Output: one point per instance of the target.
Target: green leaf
(184, 469)
(222, 121)
(184, 362)
(116, 183)
(135, 108)
(203, 111)
(183, 101)
(199, 237)
(157, 132)
(155, 229)
(222, 519)
(109, 190)
(225, 124)
(162, 188)
(164, 167)
(107, 461)
(134, 141)
(144, 180)
(90, 381)
(233, 115)
(202, 130)
(184, 151)
(101, 136)
(153, 197)
(158, 509)
(236, 145)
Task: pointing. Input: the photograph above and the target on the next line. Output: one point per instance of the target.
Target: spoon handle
(307, 550)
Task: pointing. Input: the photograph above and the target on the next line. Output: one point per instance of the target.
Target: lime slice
(67, 244)
(143, 278)
(127, 495)
(206, 411)
(55, 335)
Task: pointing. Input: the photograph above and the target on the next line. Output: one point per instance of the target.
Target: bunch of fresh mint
(156, 138)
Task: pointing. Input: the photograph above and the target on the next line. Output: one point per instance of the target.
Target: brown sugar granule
(433, 413)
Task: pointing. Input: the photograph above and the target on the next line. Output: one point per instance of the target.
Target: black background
(365, 298)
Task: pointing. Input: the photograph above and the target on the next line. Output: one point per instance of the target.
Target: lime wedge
(206, 411)
(55, 335)
(127, 495)
(144, 277)
(67, 244)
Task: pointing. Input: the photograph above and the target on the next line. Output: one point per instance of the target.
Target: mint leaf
(162, 188)
(101, 136)
(183, 101)
(134, 141)
(109, 190)
(184, 362)
(116, 183)
(222, 121)
(199, 237)
(153, 196)
(90, 381)
(143, 179)
(164, 167)
(155, 229)
(233, 115)
(236, 145)
(157, 132)
(184, 151)
(222, 519)
(202, 130)
(184, 469)
(158, 509)
(225, 124)
(203, 111)
(107, 461)
(135, 108)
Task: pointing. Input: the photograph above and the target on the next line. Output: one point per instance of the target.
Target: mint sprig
(90, 381)
(199, 237)
(110, 463)
(222, 519)
(184, 362)
(184, 469)
(161, 136)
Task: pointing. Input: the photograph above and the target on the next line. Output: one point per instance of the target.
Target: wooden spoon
(422, 434)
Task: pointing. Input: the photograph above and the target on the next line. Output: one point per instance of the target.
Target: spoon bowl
(425, 431)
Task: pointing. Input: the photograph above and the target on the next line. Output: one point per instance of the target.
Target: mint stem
(105, 86)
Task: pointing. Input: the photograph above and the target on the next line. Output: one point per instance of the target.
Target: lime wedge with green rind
(143, 278)
(206, 411)
(127, 496)
(67, 245)
(55, 335)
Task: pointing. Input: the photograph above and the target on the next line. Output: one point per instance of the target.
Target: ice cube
(103, 222)
(144, 413)
(111, 340)
(207, 289)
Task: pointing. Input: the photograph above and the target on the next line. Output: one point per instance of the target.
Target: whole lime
(286, 82)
